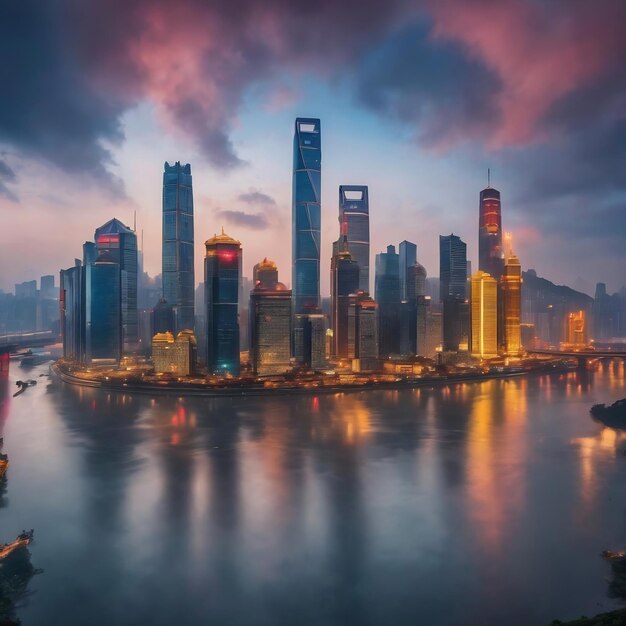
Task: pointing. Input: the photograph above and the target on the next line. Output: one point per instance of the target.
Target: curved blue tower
(306, 215)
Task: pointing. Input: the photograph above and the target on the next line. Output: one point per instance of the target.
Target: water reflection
(455, 504)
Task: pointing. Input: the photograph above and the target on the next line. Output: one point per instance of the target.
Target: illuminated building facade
(221, 290)
(345, 280)
(511, 292)
(120, 242)
(408, 258)
(354, 217)
(103, 310)
(490, 253)
(388, 297)
(174, 356)
(484, 304)
(270, 323)
(306, 215)
(178, 243)
(576, 331)
(453, 292)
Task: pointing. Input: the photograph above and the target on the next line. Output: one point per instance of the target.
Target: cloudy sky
(417, 98)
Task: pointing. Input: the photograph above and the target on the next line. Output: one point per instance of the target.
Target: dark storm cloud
(7, 175)
(73, 68)
(48, 109)
(430, 85)
(253, 221)
(257, 197)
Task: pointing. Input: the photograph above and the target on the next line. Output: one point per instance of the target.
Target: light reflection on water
(469, 504)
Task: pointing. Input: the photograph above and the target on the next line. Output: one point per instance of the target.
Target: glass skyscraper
(345, 281)
(388, 297)
(490, 254)
(120, 242)
(221, 287)
(103, 309)
(306, 215)
(408, 258)
(453, 291)
(354, 217)
(178, 242)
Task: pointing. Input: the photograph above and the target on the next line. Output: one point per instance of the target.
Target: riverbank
(64, 374)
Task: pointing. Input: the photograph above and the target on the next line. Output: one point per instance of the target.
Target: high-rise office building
(422, 309)
(221, 287)
(388, 297)
(265, 274)
(510, 289)
(416, 281)
(309, 342)
(345, 280)
(270, 322)
(103, 310)
(72, 310)
(120, 242)
(363, 332)
(484, 316)
(163, 319)
(306, 215)
(408, 258)
(453, 292)
(354, 217)
(178, 243)
(576, 329)
(490, 253)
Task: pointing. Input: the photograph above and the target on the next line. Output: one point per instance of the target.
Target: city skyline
(552, 145)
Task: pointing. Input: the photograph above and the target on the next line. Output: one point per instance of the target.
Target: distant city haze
(415, 104)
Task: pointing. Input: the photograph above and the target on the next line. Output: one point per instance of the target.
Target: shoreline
(237, 392)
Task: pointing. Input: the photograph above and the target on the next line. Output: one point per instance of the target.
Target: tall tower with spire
(490, 254)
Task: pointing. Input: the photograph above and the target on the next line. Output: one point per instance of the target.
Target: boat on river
(21, 541)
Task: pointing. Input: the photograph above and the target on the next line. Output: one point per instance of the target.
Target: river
(482, 503)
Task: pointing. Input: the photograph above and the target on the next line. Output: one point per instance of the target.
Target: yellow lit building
(174, 355)
(484, 308)
(511, 289)
(577, 329)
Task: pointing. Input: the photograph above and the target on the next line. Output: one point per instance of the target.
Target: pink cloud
(540, 51)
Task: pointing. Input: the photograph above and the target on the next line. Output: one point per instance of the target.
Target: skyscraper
(576, 329)
(103, 309)
(363, 332)
(120, 242)
(270, 322)
(265, 274)
(344, 281)
(178, 243)
(354, 217)
(306, 214)
(221, 286)
(484, 316)
(510, 289)
(490, 253)
(72, 309)
(453, 291)
(388, 297)
(416, 281)
(408, 258)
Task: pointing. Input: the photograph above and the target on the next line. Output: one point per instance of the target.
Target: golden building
(511, 289)
(576, 329)
(484, 309)
(174, 355)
